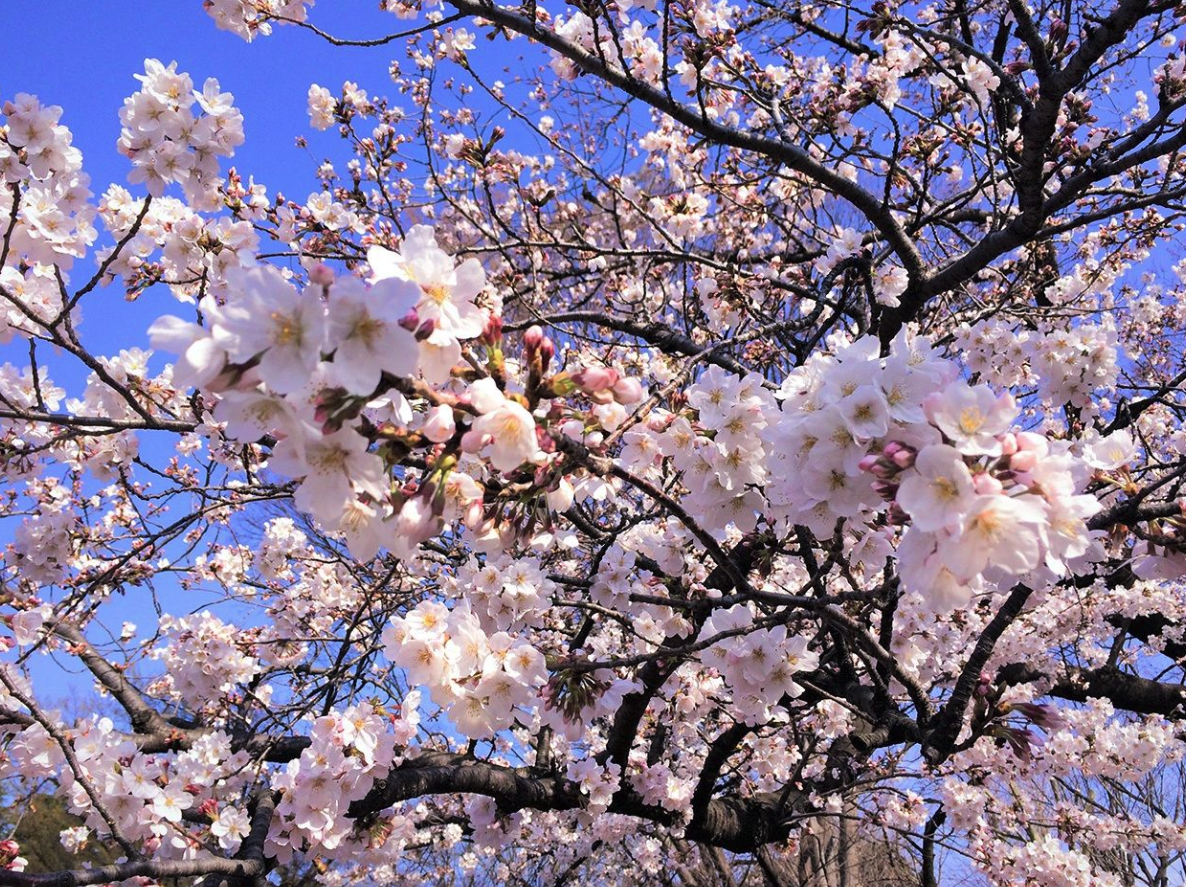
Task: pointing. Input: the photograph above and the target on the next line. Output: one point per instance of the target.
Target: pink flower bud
(869, 462)
(507, 534)
(1027, 440)
(533, 338)
(1008, 443)
(473, 515)
(986, 485)
(627, 391)
(547, 350)
(410, 321)
(426, 329)
(439, 424)
(900, 454)
(321, 274)
(493, 331)
(472, 442)
(1024, 460)
(592, 379)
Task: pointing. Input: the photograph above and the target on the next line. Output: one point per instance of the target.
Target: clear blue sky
(82, 55)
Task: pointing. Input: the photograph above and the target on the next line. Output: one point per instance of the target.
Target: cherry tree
(679, 441)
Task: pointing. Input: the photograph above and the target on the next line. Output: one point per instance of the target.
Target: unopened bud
(986, 485)
(473, 441)
(900, 454)
(533, 338)
(321, 274)
(592, 379)
(439, 424)
(492, 334)
(869, 462)
(1025, 460)
(426, 329)
(628, 391)
(410, 321)
(473, 515)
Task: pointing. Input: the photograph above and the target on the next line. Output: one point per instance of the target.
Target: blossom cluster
(249, 18)
(1068, 366)
(349, 750)
(986, 498)
(723, 459)
(759, 665)
(168, 143)
(205, 658)
(485, 681)
(146, 795)
(54, 219)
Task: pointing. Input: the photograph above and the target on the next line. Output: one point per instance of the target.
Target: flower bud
(439, 424)
(560, 499)
(1025, 460)
(593, 379)
(507, 533)
(472, 442)
(533, 338)
(473, 517)
(986, 485)
(492, 334)
(1027, 440)
(869, 462)
(900, 454)
(410, 321)
(321, 274)
(627, 391)
(425, 330)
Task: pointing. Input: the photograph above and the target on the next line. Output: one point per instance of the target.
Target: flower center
(285, 329)
(970, 420)
(438, 292)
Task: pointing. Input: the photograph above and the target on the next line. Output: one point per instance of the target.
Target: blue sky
(82, 56)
